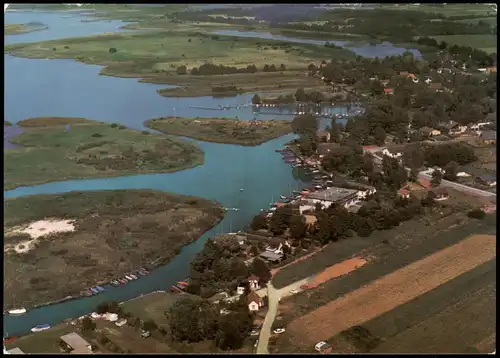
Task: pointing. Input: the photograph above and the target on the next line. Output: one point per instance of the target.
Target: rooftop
(16, 350)
(489, 135)
(488, 177)
(332, 194)
(271, 256)
(75, 341)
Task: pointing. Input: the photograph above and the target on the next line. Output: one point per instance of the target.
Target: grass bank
(90, 149)
(222, 130)
(17, 29)
(154, 56)
(113, 232)
(7, 123)
(485, 42)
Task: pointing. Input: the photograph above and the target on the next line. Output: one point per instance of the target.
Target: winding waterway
(35, 88)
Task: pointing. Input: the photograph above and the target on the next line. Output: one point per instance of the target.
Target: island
(222, 130)
(200, 64)
(54, 149)
(58, 245)
(17, 29)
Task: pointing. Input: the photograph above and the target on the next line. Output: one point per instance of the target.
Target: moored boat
(99, 288)
(41, 327)
(142, 273)
(134, 276)
(17, 311)
(129, 278)
(122, 280)
(94, 290)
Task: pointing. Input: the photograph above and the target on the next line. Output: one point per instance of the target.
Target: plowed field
(394, 289)
(336, 270)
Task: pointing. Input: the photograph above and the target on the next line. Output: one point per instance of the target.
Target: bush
(112, 50)
(476, 214)
(113, 125)
(96, 135)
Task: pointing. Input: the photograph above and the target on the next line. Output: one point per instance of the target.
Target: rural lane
(459, 187)
(274, 297)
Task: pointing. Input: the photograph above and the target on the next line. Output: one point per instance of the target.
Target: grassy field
(492, 20)
(113, 232)
(90, 150)
(222, 130)
(446, 10)
(402, 249)
(486, 43)
(154, 56)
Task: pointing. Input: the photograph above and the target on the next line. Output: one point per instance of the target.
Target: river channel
(35, 88)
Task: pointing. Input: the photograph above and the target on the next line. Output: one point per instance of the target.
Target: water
(366, 50)
(36, 88)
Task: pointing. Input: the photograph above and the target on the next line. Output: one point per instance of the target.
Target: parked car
(254, 333)
(279, 330)
(145, 334)
(256, 343)
(323, 347)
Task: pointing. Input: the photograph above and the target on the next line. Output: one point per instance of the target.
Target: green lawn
(446, 10)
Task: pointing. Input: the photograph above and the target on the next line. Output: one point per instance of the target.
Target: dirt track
(395, 289)
(337, 270)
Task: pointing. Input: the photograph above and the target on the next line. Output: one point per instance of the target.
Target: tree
(300, 95)
(150, 325)
(413, 175)
(259, 222)
(282, 67)
(87, 324)
(112, 50)
(256, 99)
(334, 131)
(451, 170)
(379, 135)
(476, 214)
(280, 220)
(297, 226)
(137, 323)
(181, 70)
(437, 176)
(192, 320)
(260, 269)
(232, 329)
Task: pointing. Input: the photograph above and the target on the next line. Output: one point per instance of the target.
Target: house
(253, 282)
(304, 208)
(254, 301)
(491, 69)
(488, 180)
(75, 344)
(453, 127)
(325, 148)
(389, 90)
(437, 86)
(392, 153)
(334, 195)
(488, 137)
(429, 132)
(473, 126)
(438, 194)
(271, 256)
(324, 136)
(424, 183)
(364, 191)
(323, 348)
(403, 193)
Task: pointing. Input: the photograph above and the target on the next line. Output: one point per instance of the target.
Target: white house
(390, 154)
(362, 194)
(240, 290)
(253, 282)
(254, 301)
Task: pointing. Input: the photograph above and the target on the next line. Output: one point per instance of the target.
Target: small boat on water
(129, 278)
(86, 293)
(282, 197)
(134, 276)
(123, 280)
(115, 283)
(144, 270)
(175, 289)
(94, 290)
(180, 287)
(142, 273)
(17, 311)
(41, 327)
(99, 288)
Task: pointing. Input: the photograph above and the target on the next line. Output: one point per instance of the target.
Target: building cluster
(248, 288)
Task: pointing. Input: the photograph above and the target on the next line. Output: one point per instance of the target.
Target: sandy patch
(394, 289)
(39, 229)
(337, 270)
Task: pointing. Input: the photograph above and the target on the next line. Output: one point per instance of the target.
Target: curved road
(274, 295)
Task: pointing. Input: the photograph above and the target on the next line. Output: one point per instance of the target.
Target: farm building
(438, 194)
(75, 344)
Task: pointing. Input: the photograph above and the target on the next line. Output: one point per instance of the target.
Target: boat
(94, 290)
(144, 270)
(241, 189)
(115, 283)
(142, 273)
(134, 276)
(99, 288)
(282, 197)
(129, 278)
(86, 293)
(183, 283)
(41, 327)
(175, 289)
(180, 287)
(17, 311)
(123, 280)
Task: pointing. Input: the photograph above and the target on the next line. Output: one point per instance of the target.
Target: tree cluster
(443, 154)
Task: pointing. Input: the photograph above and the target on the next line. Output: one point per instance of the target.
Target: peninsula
(17, 29)
(53, 149)
(222, 130)
(58, 245)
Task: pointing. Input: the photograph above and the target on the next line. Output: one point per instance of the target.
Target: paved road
(459, 187)
(274, 297)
